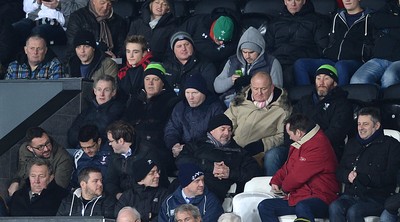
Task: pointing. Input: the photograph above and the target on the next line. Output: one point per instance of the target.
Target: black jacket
(334, 114)
(120, 170)
(350, 43)
(74, 206)
(302, 35)
(387, 32)
(84, 19)
(242, 166)
(99, 115)
(177, 73)
(46, 204)
(377, 167)
(146, 200)
(199, 27)
(158, 37)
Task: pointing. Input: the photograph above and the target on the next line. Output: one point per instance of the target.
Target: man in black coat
(222, 160)
(368, 169)
(41, 196)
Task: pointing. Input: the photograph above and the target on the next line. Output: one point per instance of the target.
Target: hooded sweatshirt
(264, 62)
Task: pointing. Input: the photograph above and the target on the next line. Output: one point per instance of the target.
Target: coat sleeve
(339, 125)
(277, 138)
(276, 74)
(64, 168)
(174, 130)
(248, 169)
(209, 73)
(56, 69)
(69, 6)
(213, 209)
(321, 36)
(122, 202)
(112, 180)
(162, 215)
(110, 67)
(63, 210)
(223, 81)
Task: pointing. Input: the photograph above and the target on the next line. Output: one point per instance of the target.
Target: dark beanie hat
(156, 69)
(84, 37)
(188, 172)
(142, 167)
(180, 36)
(196, 81)
(328, 70)
(217, 121)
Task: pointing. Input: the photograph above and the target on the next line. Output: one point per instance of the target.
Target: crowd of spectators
(205, 102)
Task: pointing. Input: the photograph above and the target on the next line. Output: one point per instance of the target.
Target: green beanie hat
(155, 68)
(223, 28)
(328, 70)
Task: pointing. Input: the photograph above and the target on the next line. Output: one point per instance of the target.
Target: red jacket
(310, 170)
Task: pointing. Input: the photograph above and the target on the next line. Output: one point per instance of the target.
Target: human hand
(111, 54)
(50, 3)
(176, 149)
(275, 188)
(234, 77)
(12, 188)
(221, 171)
(352, 176)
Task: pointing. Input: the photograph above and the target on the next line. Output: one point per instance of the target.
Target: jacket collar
(306, 137)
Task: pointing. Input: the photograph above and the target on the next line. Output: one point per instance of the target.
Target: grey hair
(193, 210)
(131, 210)
(229, 217)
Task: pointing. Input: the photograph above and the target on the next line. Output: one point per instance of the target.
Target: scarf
(143, 62)
(262, 104)
(213, 141)
(105, 33)
(364, 142)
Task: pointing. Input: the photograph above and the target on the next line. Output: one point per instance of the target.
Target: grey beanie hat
(180, 36)
(252, 46)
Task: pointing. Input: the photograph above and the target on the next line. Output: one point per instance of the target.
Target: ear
(29, 148)
(377, 125)
(99, 141)
(82, 184)
(26, 49)
(51, 177)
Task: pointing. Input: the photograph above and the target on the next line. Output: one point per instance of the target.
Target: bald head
(128, 214)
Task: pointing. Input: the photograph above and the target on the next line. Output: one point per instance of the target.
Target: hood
(306, 9)
(254, 36)
(167, 17)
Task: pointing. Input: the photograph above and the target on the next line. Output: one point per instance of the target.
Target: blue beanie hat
(188, 172)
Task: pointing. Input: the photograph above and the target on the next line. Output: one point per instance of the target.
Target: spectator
(391, 212)
(329, 107)
(88, 199)
(40, 196)
(229, 217)
(157, 23)
(257, 114)
(147, 195)
(89, 62)
(384, 66)
(221, 159)
(36, 63)
(191, 191)
(102, 110)
(99, 18)
(121, 173)
(307, 179)
(190, 117)
(94, 152)
(149, 111)
(297, 33)
(250, 58)
(367, 169)
(215, 35)
(348, 48)
(38, 144)
(187, 212)
(130, 76)
(128, 214)
(185, 64)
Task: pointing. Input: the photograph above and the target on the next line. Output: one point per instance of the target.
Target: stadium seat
(373, 4)
(245, 205)
(125, 9)
(390, 107)
(295, 93)
(325, 7)
(207, 6)
(270, 8)
(258, 185)
(181, 11)
(393, 133)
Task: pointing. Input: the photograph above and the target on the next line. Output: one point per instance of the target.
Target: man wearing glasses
(93, 152)
(39, 144)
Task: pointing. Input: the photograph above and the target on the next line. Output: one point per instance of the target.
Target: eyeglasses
(89, 147)
(111, 141)
(41, 147)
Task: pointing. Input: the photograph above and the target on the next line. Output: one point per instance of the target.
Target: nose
(37, 180)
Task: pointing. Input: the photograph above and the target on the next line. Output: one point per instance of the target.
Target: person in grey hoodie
(250, 58)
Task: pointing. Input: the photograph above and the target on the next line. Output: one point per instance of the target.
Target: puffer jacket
(209, 206)
(146, 200)
(302, 35)
(310, 169)
(188, 124)
(264, 62)
(350, 43)
(158, 37)
(73, 205)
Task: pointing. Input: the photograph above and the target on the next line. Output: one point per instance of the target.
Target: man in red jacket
(307, 179)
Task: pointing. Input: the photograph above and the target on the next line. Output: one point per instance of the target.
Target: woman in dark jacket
(157, 24)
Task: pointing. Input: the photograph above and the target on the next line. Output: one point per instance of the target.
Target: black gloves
(241, 82)
(254, 147)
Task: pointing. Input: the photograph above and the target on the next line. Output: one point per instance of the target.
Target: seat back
(390, 107)
(207, 6)
(258, 185)
(373, 4)
(297, 92)
(393, 133)
(325, 7)
(245, 205)
(269, 8)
